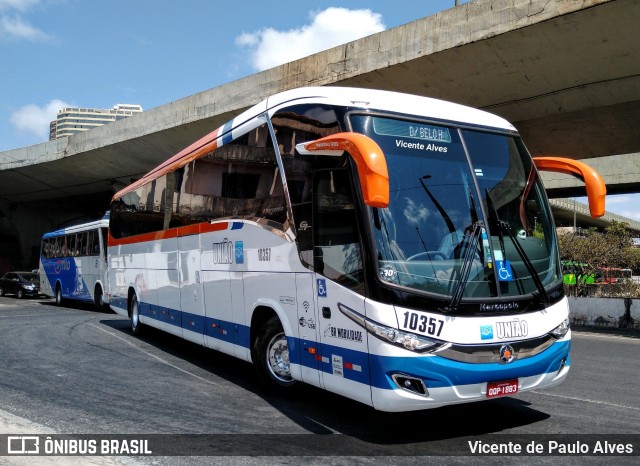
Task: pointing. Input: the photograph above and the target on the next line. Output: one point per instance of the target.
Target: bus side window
(103, 239)
(337, 253)
(237, 180)
(293, 125)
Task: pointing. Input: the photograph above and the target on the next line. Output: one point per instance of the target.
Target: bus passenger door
(339, 286)
(308, 352)
(343, 343)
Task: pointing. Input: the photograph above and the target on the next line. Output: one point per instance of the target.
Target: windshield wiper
(501, 227)
(470, 250)
(443, 213)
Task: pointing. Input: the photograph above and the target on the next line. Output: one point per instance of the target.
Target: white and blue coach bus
(73, 263)
(395, 249)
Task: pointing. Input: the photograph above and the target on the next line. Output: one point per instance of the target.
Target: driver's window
(337, 251)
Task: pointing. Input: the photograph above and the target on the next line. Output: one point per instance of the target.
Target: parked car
(20, 283)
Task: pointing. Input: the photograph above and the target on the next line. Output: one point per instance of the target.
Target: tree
(597, 251)
(612, 248)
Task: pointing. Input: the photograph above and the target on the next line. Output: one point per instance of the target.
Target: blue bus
(73, 263)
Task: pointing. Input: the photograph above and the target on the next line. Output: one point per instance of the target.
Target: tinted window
(294, 125)
(237, 180)
(337, 249)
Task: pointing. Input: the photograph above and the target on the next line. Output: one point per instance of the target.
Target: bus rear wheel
(58, 295)
(134, 316)
(98, 300)
(270, 353)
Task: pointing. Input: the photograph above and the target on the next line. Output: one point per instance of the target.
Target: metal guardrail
(581, 208)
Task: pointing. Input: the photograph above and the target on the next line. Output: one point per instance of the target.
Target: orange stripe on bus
(189, 230)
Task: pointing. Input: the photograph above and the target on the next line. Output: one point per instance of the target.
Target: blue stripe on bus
(440, 372)
(119, 301)
(371, 369)
(227, 135)
(53, 234)
(160, 313)
(193, 322)
(228, 331)
(355, 364)
(215, 328)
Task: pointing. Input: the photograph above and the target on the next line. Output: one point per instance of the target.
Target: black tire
(134, 316)
(270, 353)
(98, 300)
(1, 291)
(58, 296)
(20, 294)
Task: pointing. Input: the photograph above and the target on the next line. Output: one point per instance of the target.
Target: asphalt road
(73, 370)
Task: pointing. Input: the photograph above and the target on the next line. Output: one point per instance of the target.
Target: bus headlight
(561, 330)
(406, 340)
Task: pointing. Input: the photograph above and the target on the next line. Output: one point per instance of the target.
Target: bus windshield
(467, 214)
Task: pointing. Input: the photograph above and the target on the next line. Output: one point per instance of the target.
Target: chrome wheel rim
(278, 360)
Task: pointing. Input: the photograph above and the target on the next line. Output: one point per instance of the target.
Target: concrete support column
(20, 230)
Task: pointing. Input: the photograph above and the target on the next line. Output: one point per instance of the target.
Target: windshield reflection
(436, 218)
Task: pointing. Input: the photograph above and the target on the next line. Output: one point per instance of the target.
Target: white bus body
(319, 262)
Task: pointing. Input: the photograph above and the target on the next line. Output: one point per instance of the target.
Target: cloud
(618, 199)
(328, 28)
(20, 5)
(631, 214)
(414, 213)
(34, 120)
(627, 205)
(15, 26)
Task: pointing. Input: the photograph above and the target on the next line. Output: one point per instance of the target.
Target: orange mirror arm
(596, 189)
(369, 158)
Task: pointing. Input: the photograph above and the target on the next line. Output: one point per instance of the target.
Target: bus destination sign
(409, 129)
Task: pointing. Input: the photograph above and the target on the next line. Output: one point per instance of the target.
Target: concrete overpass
(566, 73)
(569, 213)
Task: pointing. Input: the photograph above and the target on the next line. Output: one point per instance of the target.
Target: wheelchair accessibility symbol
(505, 273)
(322, 287)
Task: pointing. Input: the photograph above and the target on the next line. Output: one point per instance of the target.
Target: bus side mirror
(596, 189)
(369, 158)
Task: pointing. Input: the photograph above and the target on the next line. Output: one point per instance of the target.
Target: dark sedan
(20, 283)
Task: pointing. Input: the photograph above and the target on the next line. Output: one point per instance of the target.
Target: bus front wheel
(271, 356)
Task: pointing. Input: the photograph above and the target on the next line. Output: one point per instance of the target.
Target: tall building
(74, 120)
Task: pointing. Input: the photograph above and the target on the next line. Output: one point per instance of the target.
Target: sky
(98, 53)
